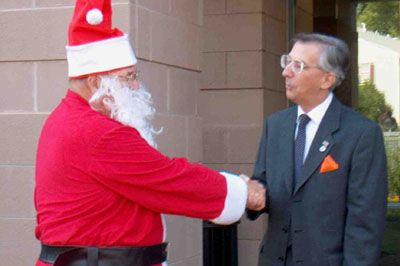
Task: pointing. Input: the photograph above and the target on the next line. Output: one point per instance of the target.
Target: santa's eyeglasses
(130, 77)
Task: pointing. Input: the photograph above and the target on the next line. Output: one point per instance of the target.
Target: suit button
(285, 229)
(280, 258)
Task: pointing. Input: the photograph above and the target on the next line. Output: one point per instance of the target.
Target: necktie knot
(303, 120)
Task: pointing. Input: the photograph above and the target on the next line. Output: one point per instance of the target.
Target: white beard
(131, 107)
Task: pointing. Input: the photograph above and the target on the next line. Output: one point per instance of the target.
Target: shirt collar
(318, 112)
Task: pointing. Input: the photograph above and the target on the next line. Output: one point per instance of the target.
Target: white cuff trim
(235, 201)
(101, 56)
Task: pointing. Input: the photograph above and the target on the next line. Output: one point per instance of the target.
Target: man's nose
(287, 71)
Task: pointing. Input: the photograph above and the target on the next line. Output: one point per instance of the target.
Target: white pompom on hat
(93, 45)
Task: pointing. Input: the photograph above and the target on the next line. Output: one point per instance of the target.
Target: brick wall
(241, 84)
(167, 39)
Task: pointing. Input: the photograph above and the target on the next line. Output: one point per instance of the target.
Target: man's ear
(328, 80)
(93, 83)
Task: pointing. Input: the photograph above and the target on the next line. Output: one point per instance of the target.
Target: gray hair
(334, 55)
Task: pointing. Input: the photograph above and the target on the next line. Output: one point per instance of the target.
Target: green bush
(393, 166)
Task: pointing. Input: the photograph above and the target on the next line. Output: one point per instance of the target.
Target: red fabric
(81, 32)
(99, 183)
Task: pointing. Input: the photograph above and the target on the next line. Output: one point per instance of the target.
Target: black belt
(103, 256)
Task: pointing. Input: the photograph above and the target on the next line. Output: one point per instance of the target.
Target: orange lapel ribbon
(329, 164)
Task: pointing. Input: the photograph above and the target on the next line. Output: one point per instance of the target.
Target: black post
(220, 245)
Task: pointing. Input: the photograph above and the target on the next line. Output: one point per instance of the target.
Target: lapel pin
(325, 145)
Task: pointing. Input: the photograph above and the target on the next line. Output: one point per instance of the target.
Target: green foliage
(393, 167)
(380, 16)
(371, 102)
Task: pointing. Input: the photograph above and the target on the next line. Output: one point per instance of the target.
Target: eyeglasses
(130, 77)
(297, 65)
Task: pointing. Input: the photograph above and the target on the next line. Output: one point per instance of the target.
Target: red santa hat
(93, 45)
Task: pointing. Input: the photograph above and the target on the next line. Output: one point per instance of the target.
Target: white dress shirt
(315, 115)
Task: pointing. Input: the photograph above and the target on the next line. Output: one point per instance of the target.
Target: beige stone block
(193, 261)
(274, 101)
(12, 4)
(176, 236)
(175, 42)
(17, 242)
(214, 7)
(272, 72)
(17, 86)
(19, 136)
(183, 90)
(127, 20)
(281, 85)
(172, 141)
(246, 169)
(276, 9)
(144, 34)
(213, 73)
(236, 32)
(238, 107)
(304, 21)
(194, 238)
(244, 69)
(248, 252)
(59, 3)
(162, 6)
(195, 138)
(306, 5)
(54, 3)
(34, 38)
(252, 230)
(215, 141)
(242, 6)
(187, 10)
(154, 76)
(243, 144)
(16, 192)
(275, 40)
(30, 36)
(52, 84)
(185, 237)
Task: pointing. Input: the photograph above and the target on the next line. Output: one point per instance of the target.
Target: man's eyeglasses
(297, 65)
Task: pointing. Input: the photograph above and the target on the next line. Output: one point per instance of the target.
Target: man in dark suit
(324, 167)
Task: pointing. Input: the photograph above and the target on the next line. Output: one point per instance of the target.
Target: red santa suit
(99, 183)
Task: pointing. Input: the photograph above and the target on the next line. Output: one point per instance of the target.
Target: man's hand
(256, 194)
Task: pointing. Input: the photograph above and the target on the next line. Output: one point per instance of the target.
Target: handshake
(255, 194)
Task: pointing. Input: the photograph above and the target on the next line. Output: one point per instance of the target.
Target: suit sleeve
(366, 201)
(259, 173)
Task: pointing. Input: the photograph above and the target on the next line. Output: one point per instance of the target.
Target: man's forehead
(306, 51)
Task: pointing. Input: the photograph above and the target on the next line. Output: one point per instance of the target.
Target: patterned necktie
(299, 146)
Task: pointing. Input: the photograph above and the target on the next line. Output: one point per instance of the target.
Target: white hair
(131, 107)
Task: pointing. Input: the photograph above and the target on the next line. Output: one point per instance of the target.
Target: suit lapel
(329, 124)
(286, 148)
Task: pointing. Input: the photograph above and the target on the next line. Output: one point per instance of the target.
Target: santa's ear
(93, 83)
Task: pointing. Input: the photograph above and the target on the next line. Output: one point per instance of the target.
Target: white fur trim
(94, 16)
(235, 201)
(100, 56)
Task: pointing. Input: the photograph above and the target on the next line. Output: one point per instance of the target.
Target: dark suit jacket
(335, 218)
